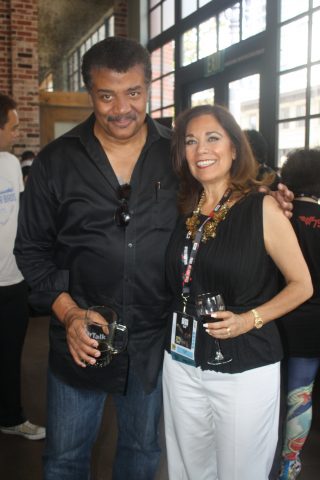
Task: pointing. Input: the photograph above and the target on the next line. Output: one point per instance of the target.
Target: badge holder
(183, 337)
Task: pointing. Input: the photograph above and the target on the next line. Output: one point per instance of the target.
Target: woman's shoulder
(247, 211)
(270, 205)
(261, 199)
(253, 199)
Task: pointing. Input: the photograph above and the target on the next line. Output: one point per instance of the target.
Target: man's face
(9, 133)
(119, 101)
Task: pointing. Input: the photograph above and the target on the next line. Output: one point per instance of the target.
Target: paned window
(238, 22)
(203, 97)
(104, 30)
(298, 116)
(161, 16)
(244, 97)
(202, 38)
(162, 86)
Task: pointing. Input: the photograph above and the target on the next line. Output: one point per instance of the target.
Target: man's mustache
(119, 118)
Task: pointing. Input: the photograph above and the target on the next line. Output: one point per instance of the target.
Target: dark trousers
(13, 327)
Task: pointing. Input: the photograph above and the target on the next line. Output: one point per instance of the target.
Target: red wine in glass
(208, 319)
(207, 303)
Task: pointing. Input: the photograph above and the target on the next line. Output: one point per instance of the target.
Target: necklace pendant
(210, 226)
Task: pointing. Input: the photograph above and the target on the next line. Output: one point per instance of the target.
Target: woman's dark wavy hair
(301, 171)
(115, 53)
(244, 167)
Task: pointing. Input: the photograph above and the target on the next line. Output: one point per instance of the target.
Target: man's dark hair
(6, 104)
(115, 53)
(301, 171)
(27, 155)
(258, 145)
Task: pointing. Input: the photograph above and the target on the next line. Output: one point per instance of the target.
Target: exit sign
(214, 63)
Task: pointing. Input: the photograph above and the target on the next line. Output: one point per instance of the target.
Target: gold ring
(229, 331)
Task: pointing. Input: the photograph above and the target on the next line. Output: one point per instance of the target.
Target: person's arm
(81, 346)
(35, 250)
(283, 247)
(35, 241)
(283, 196)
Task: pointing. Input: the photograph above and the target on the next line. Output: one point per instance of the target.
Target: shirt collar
(84, 131)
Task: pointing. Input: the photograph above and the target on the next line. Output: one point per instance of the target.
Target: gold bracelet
(258, 322)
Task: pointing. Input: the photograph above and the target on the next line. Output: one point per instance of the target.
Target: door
(61, 111)
(237, 88)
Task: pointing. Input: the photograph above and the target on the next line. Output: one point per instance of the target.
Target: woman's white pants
(220, 426)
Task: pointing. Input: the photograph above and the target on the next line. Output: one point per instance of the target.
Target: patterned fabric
(301, 375)
(299, 418)
(290, 469)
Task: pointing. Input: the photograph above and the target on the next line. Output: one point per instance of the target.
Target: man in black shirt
(98, 211)
(97, 214)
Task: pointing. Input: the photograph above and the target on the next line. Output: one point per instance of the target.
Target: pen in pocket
(157, 187)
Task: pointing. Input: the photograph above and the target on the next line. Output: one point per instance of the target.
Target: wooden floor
(20, 459)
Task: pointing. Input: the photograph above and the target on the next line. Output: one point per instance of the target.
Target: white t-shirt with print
(11, 185)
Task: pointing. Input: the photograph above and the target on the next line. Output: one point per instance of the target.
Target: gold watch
(258, 322)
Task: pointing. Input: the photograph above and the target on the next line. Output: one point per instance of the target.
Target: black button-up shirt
(68, 241)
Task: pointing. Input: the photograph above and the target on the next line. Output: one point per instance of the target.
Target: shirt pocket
(164, 210)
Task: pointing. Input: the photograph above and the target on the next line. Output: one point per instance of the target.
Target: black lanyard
(188, 263)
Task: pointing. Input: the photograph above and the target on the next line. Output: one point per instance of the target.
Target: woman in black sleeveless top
(222, 420)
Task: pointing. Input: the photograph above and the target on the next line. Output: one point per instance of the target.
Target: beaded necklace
(216, 216)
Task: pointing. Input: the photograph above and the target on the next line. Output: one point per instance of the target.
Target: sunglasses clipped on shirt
(122, 215)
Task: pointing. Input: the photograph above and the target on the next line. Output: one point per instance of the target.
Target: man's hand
(283, 196)
(82, 348)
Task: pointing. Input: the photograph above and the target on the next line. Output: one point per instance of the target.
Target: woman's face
(209, 150)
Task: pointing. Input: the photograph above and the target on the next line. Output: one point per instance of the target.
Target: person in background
(26, 161)
(259, 149)
(221, 418)
(13, 288)
(97, 215)
(300, 329)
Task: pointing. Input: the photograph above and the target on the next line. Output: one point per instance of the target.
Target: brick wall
(19, 66)
(120, 18)
(5, 47)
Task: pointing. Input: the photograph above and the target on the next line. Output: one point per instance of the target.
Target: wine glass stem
(219, 353)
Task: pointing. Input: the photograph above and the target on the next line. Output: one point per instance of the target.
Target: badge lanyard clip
(184, 302)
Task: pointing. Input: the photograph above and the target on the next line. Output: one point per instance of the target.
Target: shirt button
(130, 245)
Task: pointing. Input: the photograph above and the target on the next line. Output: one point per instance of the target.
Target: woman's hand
(228, 325)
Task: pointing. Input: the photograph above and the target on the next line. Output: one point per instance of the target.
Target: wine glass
(101, 325)
(207, 303)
